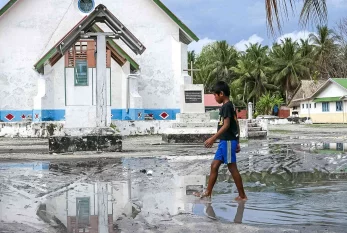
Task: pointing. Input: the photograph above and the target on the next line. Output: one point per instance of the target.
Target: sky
(240, 22)
(2, 3)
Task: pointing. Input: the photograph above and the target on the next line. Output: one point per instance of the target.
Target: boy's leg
(213, 176)
(238, 181)
(212, 180)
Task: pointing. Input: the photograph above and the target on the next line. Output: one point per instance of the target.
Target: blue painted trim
(139, 114)
(49, 115)
(38, 115)
(17, 114)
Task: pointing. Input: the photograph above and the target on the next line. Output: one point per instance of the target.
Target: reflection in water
(95, 207)
(88, 207)
(238, 216)
(274, 198)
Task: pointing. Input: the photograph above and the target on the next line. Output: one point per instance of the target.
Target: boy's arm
(222, 130)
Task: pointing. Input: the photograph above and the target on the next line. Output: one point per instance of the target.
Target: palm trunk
(287, 87)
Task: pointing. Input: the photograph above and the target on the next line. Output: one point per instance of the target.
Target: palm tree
(325, 46)
(237, 93)
(306, 48)
(315, 10)
(288, 65)
(253, 70)
(204, 76)
(215, 62)
(224, 57)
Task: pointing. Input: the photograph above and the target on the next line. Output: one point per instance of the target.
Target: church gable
(67, 44)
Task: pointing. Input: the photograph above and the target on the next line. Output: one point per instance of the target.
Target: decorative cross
(192, 70)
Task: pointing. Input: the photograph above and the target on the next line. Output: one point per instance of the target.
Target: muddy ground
(296, 182)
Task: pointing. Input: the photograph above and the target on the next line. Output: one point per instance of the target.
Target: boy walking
(229, 134)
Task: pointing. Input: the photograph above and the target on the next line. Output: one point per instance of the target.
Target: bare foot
(202, 195)
(241, 199)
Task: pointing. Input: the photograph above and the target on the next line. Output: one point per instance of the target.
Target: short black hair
(221, 86)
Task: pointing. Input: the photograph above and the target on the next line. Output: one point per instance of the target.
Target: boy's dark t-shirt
(228, 111)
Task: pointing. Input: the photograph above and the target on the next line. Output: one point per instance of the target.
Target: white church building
(44, 77)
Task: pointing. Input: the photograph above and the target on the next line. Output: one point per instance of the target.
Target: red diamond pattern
(36, 116)
(9, 117)
(23, 116)
(164, 115)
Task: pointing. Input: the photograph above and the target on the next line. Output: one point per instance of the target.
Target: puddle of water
(322, 201)
(314, 204)
(99, 204)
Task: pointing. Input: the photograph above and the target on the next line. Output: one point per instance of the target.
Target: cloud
(197, 46)
(242, 45)
(337, 3)
(296, 35)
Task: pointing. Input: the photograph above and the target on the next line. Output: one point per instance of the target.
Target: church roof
(176, 20)
(157, 2)
(7, 6)
(88, 23)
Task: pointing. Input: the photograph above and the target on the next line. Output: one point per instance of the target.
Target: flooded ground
(293, 185)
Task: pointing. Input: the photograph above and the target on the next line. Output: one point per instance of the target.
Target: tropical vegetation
(275, 72)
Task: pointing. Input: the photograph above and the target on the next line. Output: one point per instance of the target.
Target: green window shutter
(81, 73)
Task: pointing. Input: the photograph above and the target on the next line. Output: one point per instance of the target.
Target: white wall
(332, 90)
(117, 81)
(24, 30)
(160, 64)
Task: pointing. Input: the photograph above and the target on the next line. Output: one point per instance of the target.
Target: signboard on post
(193, 97)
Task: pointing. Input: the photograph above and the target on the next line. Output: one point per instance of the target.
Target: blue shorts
(226, 151)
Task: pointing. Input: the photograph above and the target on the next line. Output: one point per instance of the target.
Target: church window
(82, 58)
(81, 73)
(86, 6)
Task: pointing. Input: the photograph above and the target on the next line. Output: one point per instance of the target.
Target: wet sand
(295, 183)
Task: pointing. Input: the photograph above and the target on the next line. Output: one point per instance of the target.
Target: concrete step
(254, 128)
(193, 117)
(195, 125)
(257, 134)
(252, 125)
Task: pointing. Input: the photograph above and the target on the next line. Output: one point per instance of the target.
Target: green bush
(266, 104)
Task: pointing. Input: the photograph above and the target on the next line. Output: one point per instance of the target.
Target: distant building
(322, 102)
(211, 105)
